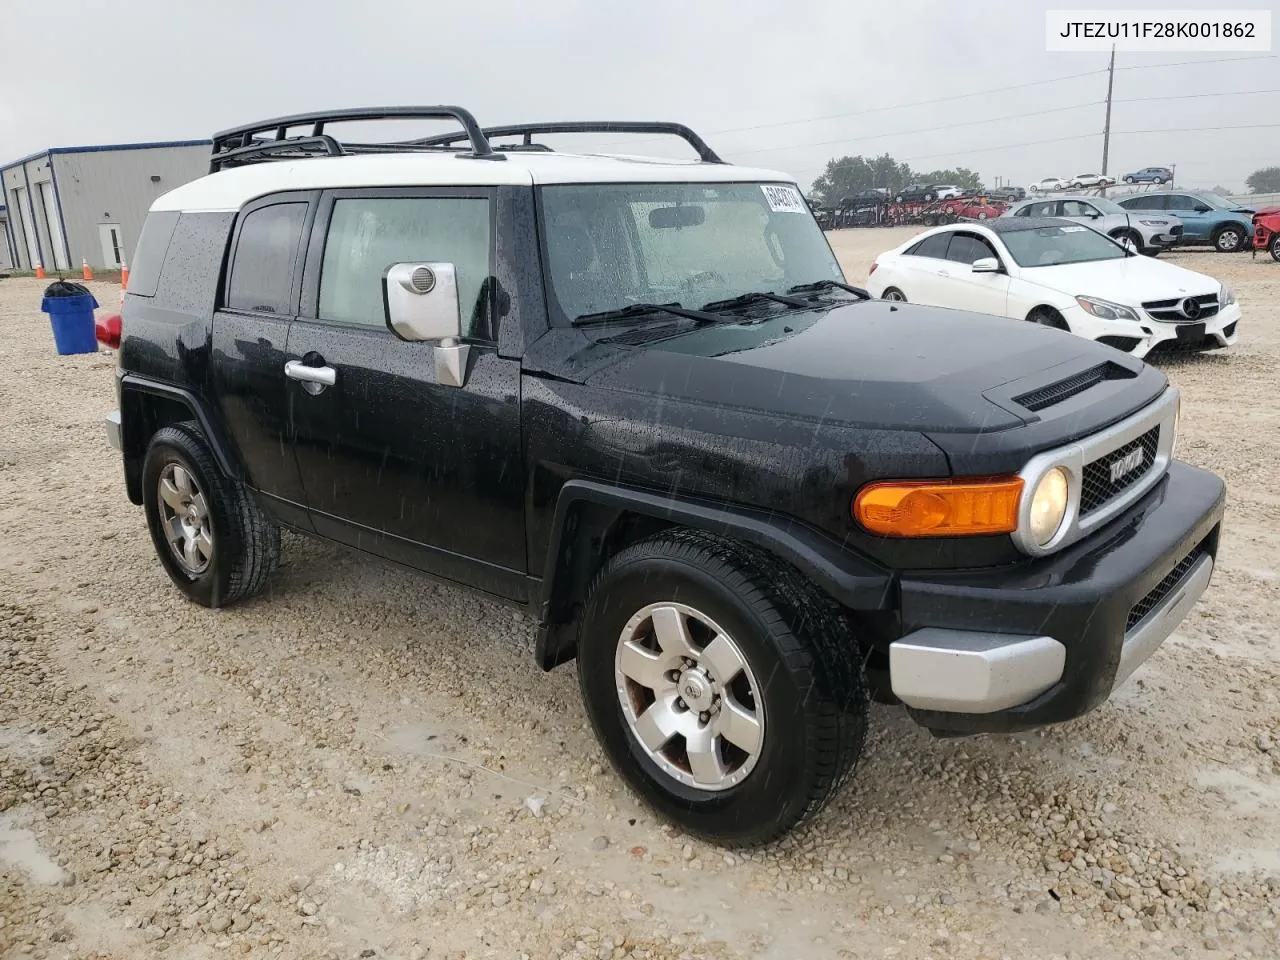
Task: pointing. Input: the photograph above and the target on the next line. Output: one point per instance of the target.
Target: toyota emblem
(1191, 308)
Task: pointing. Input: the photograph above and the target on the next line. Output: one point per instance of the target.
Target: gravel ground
(361, 763)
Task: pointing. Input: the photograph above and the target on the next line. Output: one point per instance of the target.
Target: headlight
(1105, 309)
(1226, 296)
(1048, 506)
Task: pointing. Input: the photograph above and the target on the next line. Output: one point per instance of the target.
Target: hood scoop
(1047, 396)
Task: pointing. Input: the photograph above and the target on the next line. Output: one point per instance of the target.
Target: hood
(871, 364)
(1131, 281)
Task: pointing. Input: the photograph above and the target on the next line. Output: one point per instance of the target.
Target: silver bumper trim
(114, 433)
(1143, 640)
(962, 671)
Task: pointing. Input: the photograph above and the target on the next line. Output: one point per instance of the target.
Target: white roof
(231, 189)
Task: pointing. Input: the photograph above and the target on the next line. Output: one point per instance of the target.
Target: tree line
(1266, 180)
(846, 176)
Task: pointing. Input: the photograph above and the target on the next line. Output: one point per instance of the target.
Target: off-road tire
(798, 645)
(246, 541)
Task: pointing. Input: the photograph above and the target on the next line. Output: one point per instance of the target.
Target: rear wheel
(1128, 180)
(1047, 317)
(893, 293)
(1275, 246)
(726, 690)
(1228, 238)
(213, 540)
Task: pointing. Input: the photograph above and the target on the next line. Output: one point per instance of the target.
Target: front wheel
(212, 538)
(1275, 246)
(1129, 180)
(894, 294)
(1047, 317)
(1228, 239)
(725, 689)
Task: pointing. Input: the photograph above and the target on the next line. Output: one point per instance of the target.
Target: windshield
(1107, 206)
(1050, 246)
(1213, 200)
(612, 245)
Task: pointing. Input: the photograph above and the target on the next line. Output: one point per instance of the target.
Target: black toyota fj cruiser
(637, 399)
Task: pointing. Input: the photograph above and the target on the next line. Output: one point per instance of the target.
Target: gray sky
(129, 70)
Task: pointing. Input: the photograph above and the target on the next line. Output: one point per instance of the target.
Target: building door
(4, 247)
(53, 225)
(112, 247)
(28, 228)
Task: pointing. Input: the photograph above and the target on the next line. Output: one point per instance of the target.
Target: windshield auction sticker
(1153, 31)
(783, 199)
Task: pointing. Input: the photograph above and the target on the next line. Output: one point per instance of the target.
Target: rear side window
(1046, 208)
(262, 274)
(1176, 202)
(153, 245)
(1152, 202)
(935, 246)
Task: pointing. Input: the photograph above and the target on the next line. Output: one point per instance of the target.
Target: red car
(973, 208)
(1266, 231)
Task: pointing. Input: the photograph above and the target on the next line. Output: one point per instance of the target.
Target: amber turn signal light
(939, 508)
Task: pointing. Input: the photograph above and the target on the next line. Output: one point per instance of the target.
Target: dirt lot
(344, 767)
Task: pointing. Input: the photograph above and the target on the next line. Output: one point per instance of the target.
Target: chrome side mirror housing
(985, 265)
(421, 303)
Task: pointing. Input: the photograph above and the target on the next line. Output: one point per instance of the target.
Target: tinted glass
(966, 248)
(935, 246)
(1050, 246)
(262, 275)
(366, 236)
(1213, 200)
(1152, 202)
(609, 245)
(1046, 208)
(147, 260)
(1180, 202)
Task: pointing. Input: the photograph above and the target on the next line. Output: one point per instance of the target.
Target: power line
(907, 133)
(1192, 63)
(1241, 126)
(963, 96)
(1197, 96)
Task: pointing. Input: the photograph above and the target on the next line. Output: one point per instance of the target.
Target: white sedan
(1049, 185)
(1061, 274)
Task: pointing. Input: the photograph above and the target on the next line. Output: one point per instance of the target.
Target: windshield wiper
(640, 309)
(827, 285)
(756, 297)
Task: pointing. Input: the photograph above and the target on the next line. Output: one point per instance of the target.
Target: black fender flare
(135, 434)
(849, 578)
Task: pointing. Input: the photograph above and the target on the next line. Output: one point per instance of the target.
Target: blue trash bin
(72, 320)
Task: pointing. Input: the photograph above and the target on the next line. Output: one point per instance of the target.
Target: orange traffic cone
(85, 271)
(39, 270)
(124, 276)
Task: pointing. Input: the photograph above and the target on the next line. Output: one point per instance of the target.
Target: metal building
(6, 242)
(73, 204)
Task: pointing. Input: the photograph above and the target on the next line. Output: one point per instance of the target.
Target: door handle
(297, 370)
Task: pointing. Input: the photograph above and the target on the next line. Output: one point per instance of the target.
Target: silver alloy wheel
(894, 295)
(184, 517)
(689, 696)
(1229, 240)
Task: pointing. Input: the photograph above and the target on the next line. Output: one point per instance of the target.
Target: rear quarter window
(153, 247)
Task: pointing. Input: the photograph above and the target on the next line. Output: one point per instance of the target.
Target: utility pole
(1106, 130)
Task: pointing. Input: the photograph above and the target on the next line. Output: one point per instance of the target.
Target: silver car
(1150, 233)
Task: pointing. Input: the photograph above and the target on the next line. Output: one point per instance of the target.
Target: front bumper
(1143, 337)
(1048, 640)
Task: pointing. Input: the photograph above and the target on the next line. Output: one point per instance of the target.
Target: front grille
(1097, 487)
(1163, 588)
(1229, 329)
(1171, 311)
(1070, 387)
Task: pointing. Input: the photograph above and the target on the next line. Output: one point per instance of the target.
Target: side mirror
(1094, 215)
(421, 302)
(985, 265)
(1202, 208)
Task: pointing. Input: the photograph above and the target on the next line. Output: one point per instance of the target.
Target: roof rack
(242, 145)
(529, 130)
